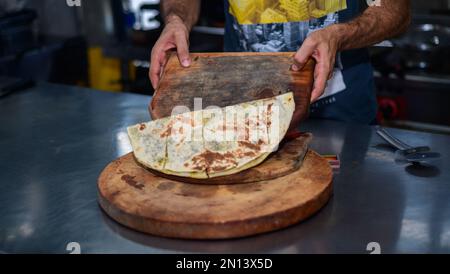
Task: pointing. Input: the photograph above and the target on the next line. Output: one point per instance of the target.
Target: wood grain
(224, 79)
(140, 200)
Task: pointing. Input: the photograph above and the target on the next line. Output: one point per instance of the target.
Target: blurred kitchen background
(106, 44)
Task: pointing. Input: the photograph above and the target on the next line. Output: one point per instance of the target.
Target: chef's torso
(283, 25)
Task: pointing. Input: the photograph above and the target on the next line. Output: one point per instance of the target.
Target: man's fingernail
(294, 68)
(186, 63)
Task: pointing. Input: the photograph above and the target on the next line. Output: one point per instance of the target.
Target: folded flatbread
(213, 142)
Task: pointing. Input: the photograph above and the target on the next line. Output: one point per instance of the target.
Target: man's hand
(179, 16)
(174, 36)
(322, 45)
(374, 25)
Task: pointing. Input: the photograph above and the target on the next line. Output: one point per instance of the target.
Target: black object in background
(212, 13)
(16, 33)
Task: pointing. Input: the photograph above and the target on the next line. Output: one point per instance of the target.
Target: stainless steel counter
(55, 140)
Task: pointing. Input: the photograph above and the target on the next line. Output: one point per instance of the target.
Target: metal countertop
(55, 140)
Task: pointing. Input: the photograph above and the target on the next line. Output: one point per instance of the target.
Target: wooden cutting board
(284, 193)
(225, 79)
(137, 198)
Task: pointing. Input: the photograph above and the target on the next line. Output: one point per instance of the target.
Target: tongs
(406, 152)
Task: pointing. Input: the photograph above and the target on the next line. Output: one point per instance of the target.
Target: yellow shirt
(282, 11)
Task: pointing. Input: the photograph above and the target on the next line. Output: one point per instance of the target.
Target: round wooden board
(143, 201)
(287, 159)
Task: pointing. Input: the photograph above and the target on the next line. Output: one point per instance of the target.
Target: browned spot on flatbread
(142, 127)
(209, 160)
(198, 167)
(221, 127)
(247, 129)
(249, 154)
(269, 114)
(131, 182)
(269, 108)
(167, 131)
(187, 120)
(219, 168)
(256, 147)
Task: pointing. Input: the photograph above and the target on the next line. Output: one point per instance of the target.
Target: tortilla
(214, 142)
(184, 143)
(279, 116)
(149, 143)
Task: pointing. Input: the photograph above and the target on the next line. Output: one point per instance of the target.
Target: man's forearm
(186, 10)
(376, 24)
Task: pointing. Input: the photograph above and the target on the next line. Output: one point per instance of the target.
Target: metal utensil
(406, 152)
(398, 144)
(420, 157)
